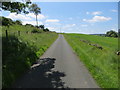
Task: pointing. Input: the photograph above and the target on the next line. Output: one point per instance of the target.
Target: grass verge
(102, 64)
(20, 51)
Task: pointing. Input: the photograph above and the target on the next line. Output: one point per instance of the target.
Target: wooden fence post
(19, 33)
(6, 34)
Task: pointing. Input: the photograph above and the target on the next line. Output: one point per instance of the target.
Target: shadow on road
(41, 75)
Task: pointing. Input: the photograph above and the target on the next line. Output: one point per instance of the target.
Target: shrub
(42, 27)
(35, 31)
(6, 21)
(17, 58)
(46, 30)
(112, 34)
(29, 25)
(18, 22)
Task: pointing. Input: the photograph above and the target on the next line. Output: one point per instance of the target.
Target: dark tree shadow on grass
(41, 75)
(17, 57)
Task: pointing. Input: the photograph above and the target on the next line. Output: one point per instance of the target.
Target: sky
(73, 17)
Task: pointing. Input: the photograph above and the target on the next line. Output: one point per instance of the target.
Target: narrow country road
(59, 67)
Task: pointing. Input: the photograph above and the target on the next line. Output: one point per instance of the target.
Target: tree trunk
(36, 20)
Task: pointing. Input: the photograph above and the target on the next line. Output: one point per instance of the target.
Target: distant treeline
(98, 34)
(7, 22)
(110, 33)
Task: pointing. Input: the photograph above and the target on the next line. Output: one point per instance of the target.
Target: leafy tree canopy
(29, 25)
(36, 10)
(46, 30)
(112, 33)
(18, 22)
(41, 26)
(17, 7)
(6, 21)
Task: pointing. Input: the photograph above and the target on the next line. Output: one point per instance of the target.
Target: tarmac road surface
(58, 67)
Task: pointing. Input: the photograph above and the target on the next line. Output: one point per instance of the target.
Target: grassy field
(102, 64)
(19, 52)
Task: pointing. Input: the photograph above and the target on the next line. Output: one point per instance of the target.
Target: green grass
(102, 64)
(20, 52)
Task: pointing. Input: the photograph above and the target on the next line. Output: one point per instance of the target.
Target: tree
(36, 10)
(18, 22)
(112, 33)
(6, 21)
(42, 27)
(46, 30)
(29, 25)
(36, 26)
(17, 7)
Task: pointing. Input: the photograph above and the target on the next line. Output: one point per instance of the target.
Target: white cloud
(0, 13)
(69, 26)
(87, 13)
(113, 29)
(31, 22)
(83, 25)
(114, 10)
(97, 19)
(31, 15)
(96, 13)
(15, 16)
(65, 28)
(52, 20)
(73, 25)
(51, 28)
(46, 24)
(27, 17)
(75, 0)
(39, 16)
(56, 29)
